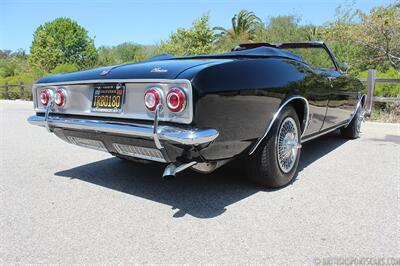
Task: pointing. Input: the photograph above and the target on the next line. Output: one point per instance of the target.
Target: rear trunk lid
(163, 69)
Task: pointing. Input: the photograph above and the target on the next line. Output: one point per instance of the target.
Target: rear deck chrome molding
(288, 100)
(192, 136)
(89, 81)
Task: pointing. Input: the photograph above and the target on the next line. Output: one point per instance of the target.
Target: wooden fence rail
(23, 91)
(371, 82)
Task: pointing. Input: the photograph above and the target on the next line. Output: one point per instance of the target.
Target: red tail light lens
(45, 96)
(176, 100)
(152, 98)
(60, 97)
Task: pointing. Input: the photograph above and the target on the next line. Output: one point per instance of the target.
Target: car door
(342, 99)
(317, 93)
(332, 95)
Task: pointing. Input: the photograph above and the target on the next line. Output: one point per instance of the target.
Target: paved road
(65, 204)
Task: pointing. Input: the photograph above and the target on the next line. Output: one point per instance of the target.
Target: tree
(379, 35)
(338, 33)
(123, 53)
(312, 33)
(366, 40)
(283, 29)
(198, 39)
(62, 41)
(244, 25)
(64, 68)
(12, 63)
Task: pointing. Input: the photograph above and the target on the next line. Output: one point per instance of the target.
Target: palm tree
(244, 25)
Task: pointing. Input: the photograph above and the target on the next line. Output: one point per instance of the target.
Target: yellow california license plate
(108, 98)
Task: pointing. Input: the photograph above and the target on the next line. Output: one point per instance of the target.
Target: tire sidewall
(281, 178)
(357, 130)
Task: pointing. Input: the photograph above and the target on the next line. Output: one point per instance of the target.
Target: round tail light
(176, 100)
(60, 97)
(152, 98)
(46, 96)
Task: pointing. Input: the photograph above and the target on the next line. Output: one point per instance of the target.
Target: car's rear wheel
(274, 163)
(352, 131)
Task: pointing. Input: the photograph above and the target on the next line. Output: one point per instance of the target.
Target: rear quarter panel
(239, 99)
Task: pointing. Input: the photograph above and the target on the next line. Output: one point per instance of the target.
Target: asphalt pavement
(63, 204)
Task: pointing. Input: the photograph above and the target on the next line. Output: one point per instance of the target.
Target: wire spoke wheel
(287, 144)
(275, 163)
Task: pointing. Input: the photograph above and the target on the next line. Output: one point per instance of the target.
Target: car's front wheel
(274, 163)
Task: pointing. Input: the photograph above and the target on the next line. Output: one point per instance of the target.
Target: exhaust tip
(172, 169)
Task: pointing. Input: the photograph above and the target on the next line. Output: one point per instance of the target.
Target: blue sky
(148, 22)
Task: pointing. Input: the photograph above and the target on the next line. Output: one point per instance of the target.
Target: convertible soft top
(261, 51)
(254, 50)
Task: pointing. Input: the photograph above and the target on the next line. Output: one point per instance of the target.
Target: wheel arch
(363, 100)
(302, 108)
(360, 104)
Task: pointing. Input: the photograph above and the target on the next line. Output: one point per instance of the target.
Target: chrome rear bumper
(192, 136)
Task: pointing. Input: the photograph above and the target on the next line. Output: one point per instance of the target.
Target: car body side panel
(344, 95)
(239, 99)
(315, 89)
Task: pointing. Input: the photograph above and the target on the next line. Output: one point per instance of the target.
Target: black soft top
(262, 51)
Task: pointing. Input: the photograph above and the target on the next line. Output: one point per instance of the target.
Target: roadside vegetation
(363, 41)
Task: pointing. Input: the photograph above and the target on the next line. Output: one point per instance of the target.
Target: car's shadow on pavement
(199, 195)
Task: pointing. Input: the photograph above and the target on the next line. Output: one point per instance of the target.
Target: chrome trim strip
(305, 124)
(356, 109)
(193, 136)
(110, 81)
(322, 133)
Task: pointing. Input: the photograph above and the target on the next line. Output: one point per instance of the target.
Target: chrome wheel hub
(287, 144)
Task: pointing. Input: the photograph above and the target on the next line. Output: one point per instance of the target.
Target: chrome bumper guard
(191, 136)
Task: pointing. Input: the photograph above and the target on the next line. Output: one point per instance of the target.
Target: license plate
(108, 98)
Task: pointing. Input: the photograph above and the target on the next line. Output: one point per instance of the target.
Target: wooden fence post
(22, 90)
(6, 90)
(371, 89)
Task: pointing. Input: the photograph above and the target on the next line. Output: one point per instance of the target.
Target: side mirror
(344, 67)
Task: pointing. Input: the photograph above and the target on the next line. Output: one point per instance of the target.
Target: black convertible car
(259, 102)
